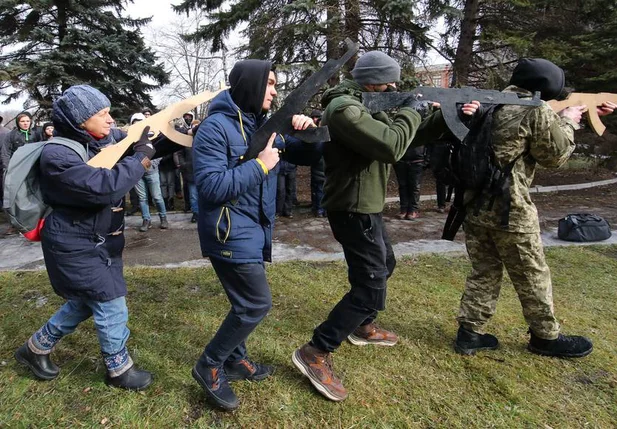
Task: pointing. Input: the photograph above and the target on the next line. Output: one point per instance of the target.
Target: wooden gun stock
(158, 123)
(591, 101)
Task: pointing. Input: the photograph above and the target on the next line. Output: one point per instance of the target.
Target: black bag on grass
(583, 227)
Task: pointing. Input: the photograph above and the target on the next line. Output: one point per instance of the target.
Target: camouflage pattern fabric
(545, 139)
(523, 257)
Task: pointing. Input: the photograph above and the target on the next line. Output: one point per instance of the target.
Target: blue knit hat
(375, 67)
(81, 102)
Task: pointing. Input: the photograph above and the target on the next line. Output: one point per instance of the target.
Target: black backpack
(470, 166)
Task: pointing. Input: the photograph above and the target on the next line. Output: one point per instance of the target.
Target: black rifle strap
(456, 216)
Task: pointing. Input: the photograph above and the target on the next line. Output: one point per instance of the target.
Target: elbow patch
(352, 113)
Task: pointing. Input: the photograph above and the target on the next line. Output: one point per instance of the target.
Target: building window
(436, 81)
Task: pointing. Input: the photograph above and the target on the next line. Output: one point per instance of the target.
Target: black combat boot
(164, 223)
(469, 342)
(245, 369)
(214, 382)
(131, 379)
(564, 346)
(41, 365)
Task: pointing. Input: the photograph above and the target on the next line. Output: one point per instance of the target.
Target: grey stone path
(179, 246)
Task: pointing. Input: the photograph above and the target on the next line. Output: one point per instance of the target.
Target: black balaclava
(537, 74)
(248, 80)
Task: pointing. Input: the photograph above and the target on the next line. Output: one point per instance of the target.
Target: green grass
(420, 382)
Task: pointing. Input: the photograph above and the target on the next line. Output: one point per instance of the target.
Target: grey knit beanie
(81, 102)
(375, 67)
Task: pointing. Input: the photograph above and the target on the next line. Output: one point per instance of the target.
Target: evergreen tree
(300, 35)
(49, 45)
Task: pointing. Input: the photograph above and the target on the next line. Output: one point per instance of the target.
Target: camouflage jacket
(540, 136)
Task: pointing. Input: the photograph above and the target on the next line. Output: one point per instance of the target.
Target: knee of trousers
(255, 312)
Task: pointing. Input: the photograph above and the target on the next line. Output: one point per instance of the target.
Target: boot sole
(295, 358)
(569, 355)
(471, 352)
(131, 389)
(35, 371)
(250, 378)
(218, 401)
(359, 341)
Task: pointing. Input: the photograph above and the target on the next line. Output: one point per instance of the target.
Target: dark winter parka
(82, 238)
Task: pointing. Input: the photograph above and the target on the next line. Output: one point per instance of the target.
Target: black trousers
(249, 295)
(409, 176)
(285, 191)
(371, 261)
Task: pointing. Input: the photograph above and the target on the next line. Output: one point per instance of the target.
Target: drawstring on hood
(248, 80)
(537, 74)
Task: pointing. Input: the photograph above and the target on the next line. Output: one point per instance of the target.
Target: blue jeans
(193, 195)
(152, 181)
(110, 318)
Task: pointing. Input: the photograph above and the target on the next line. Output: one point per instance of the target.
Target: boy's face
(270, 92)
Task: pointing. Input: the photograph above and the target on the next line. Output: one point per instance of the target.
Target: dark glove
(143, 145)
(421, 106)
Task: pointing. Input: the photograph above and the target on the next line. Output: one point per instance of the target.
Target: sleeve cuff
(263, 166)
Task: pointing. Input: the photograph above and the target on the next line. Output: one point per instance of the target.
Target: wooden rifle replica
(449, 98)
(591, 101)
(280, 121)
(159, 123)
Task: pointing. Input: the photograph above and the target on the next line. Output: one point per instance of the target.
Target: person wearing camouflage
(526, 136)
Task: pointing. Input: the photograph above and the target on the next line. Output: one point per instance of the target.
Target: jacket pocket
(82, 267)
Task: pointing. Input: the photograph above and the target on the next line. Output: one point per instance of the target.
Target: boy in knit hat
(358, 159)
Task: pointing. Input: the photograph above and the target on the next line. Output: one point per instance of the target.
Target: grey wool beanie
(81, 102)
(375, 67)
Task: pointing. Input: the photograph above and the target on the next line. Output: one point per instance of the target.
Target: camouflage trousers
(523, 257)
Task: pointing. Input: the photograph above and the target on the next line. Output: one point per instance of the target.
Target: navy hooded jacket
(236, 200)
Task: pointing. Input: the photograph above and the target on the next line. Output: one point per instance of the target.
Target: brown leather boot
(372, 334)
(317, 366)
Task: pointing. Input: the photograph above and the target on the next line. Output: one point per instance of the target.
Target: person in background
(146, 112)
(83, 237)
(184, 159)
(19, 136)
(4, 132)
(47, 131)
(408, 172)
(150, 183)
(286, 184)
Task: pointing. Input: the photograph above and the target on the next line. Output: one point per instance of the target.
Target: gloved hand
(144, 145)
(416, 103)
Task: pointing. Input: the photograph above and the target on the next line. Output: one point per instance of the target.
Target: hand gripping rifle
(448, 98)
(158, 123)
(589, 100)
(280, 121)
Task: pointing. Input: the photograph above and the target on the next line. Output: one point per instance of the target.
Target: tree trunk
(464, 50)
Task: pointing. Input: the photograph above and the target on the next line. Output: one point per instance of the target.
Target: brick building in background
(438, 75)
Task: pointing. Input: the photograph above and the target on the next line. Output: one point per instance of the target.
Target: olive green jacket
(362, 148)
